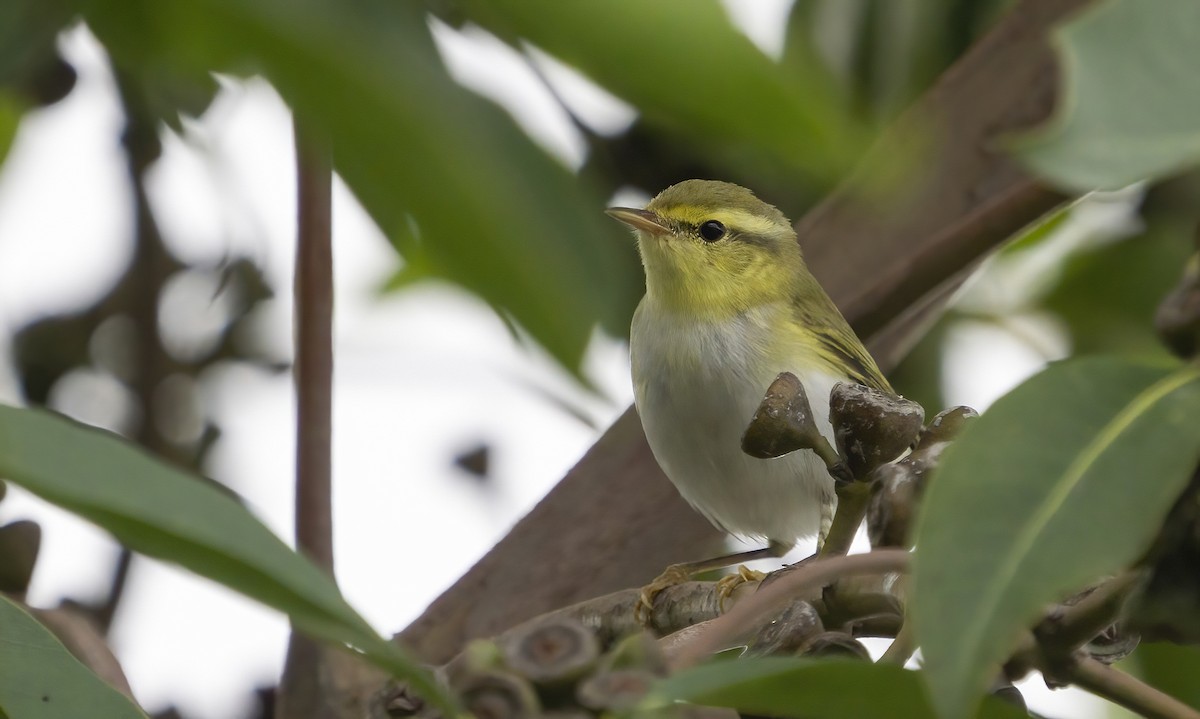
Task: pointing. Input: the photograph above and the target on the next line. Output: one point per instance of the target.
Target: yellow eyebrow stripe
(736, 220)
(750, 223)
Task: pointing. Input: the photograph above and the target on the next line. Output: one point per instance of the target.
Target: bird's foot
(730, 582)
(673, 575)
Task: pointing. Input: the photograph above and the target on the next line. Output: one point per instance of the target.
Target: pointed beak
(643, 220)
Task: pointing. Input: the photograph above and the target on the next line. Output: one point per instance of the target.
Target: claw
(730, 582)
(673, 575)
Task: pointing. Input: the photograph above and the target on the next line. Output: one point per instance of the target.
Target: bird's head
(712, 249)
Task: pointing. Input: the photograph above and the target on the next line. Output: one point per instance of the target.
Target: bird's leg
(680, 573)
(828, 509)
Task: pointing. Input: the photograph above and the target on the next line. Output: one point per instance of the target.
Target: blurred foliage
(10, 117)
(801, 687)
(1169, 667)
(433, 163)
(1131, 97)
(1107, 295)
(709, 82)
(29, 61)
(884, 52)
(466, 196)
(166, 513)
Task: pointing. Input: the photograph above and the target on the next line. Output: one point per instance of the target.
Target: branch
(1121, 688)
(306, 690)
(796, 581)
(314, 352)
(1069, 627)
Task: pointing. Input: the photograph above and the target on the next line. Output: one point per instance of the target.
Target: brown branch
(851, 508)
(1125, 690)
(614, 520)
(314, 353)
(1069, 627)
(902, 647)
(306, 690)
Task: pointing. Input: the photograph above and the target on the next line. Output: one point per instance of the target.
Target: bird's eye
(712, 231)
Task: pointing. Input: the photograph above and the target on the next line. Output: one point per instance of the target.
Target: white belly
(696, 388)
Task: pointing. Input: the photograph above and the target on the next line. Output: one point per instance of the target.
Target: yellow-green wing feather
(837, 344)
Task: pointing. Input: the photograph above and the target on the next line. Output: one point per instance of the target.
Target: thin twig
(902, 647)
(852, 508)
(1121, 688)
(1067, 629)
(814, 575)
(305, 690)
(314, 354)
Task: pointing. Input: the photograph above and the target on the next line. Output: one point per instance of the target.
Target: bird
(730, 304)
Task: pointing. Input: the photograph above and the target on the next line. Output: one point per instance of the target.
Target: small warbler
(729, 305)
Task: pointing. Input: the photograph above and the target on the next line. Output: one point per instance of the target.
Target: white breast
(696, 387)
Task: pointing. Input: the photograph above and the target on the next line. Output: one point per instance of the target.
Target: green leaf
(795, 687)
(10, 119)
(1130, 104)
(1065, 479)
(162, 512)
(40, 679)
(684, 65)
(492, 211)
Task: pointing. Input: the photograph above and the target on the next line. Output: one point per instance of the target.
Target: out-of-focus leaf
(683, 64)
(170, 96)
(884, 53)
(1171, 668)
(39, 679)
(10, 118)
(1108, 294)
(1065, 479)
(28, 29)
(1130, 106)
(165, 513)
(795, 687)
(494, 212)
(1040, 231)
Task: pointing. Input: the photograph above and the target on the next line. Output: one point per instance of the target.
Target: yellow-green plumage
(726, 311)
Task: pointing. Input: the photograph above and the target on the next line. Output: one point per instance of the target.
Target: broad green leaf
(40, 679)
(162, 512)
(1129, 108)
(795, 687)
(684, 65)
(1065, 479)
(492, 211)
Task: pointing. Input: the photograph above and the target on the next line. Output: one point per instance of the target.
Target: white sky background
(408, 523)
